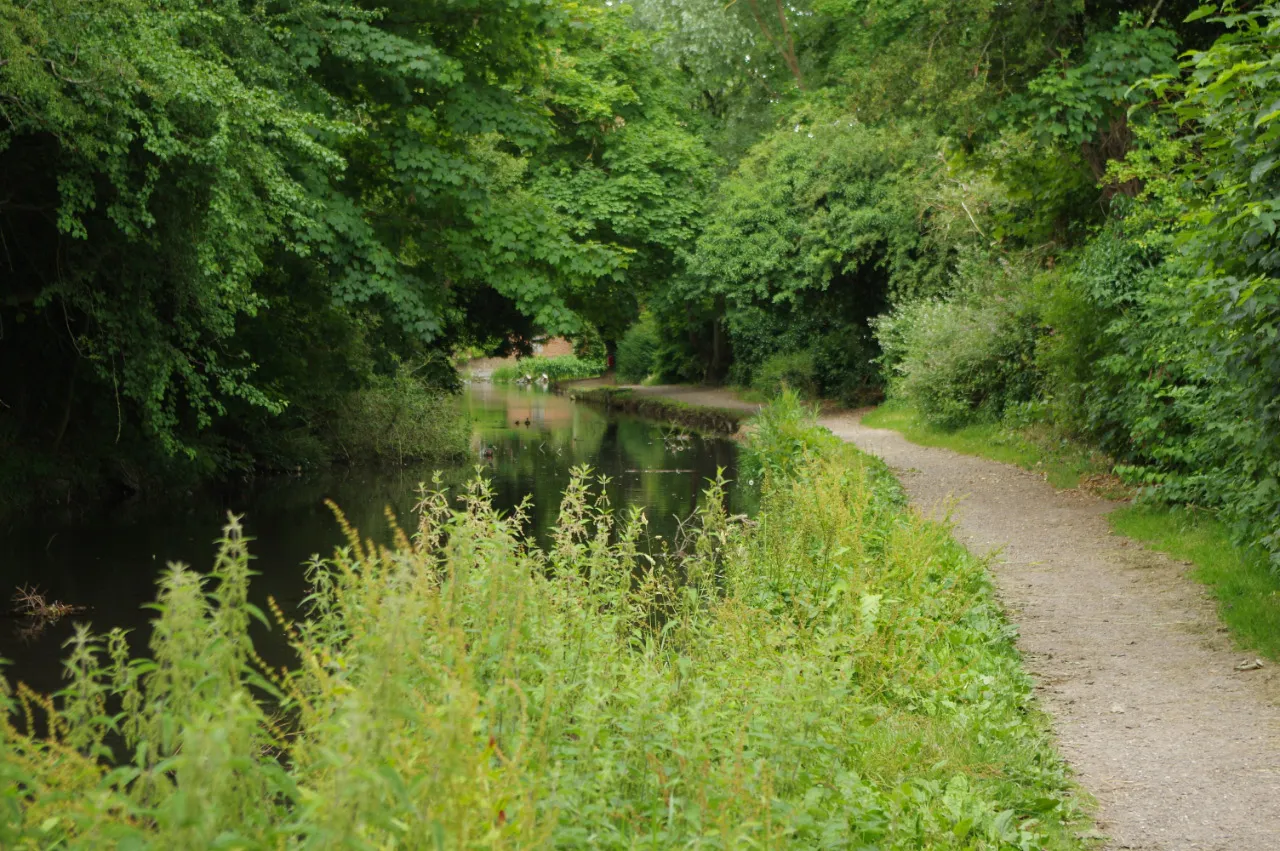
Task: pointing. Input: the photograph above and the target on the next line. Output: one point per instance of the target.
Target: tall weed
(785, 436)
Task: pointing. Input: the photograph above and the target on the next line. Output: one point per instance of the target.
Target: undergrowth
(833, 673)
(785, 436)
(399, 419)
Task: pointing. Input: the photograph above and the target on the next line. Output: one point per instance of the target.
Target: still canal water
(109, 564)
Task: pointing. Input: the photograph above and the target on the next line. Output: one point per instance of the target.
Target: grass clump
(834, 672)
(559, 368)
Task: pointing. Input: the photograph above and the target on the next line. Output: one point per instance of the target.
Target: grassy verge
(1064, 463)
(699, 418)
(833, 673)
(1247, 591)
(561, 368)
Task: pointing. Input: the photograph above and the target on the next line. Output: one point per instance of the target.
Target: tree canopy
(222, 221)
(188, 187)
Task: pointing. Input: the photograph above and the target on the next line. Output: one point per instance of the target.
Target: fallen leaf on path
(1249, 665)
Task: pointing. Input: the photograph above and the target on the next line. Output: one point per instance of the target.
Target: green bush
(590, 346)
(847, 368)
(836, 672)
(964, 359)
(560, 368)
(399, 419)
(637, 352)
(829, 333)
(795, 370)
(1130, 369)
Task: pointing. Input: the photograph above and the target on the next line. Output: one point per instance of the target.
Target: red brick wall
(554, 347)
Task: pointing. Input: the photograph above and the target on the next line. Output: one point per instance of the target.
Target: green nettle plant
(834, 671)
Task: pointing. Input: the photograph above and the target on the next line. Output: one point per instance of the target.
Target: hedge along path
(1180, 749)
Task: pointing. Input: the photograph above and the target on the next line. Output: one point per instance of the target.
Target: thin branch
(786, 51)
(971, 219)
(1152, 18)
(790, 54)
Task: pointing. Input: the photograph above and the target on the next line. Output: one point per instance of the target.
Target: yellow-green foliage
(834, 673)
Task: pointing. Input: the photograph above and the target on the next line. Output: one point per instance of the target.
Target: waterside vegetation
(223, 225)
(224, 229)
(833, 671)
(547, 370)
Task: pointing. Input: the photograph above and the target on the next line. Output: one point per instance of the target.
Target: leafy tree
(189, 186)
(1227, 101)
(625, 169)
(145, 177)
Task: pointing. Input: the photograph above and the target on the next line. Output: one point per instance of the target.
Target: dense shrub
(759, 333)
(795, 370)
(830, 333)
(399, 419)
(845, 362)
(835, 673)
(966, 358)
(638, 352)
(1130, 369)
(560, 368)
(590, 346)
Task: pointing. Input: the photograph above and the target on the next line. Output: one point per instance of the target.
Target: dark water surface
(109, 564)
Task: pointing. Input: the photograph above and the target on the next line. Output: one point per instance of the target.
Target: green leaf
(1202, 12)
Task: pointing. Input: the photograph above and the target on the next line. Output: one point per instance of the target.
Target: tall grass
(559, 368)
(832, 673)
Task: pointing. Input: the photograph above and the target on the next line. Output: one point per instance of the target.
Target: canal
(526, 441)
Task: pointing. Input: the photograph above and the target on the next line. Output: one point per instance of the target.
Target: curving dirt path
(1180, 750)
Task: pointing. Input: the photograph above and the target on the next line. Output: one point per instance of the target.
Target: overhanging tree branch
(784, 44)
